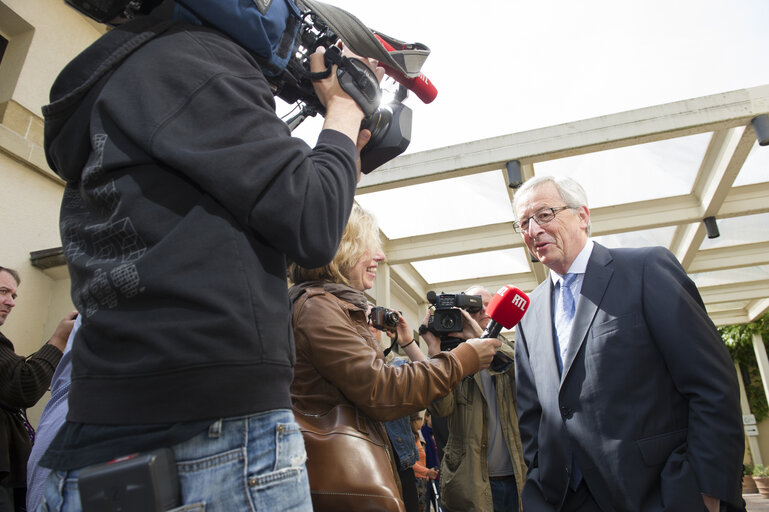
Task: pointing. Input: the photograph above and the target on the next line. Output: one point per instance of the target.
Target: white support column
(763, 361)
(383, 284)
(755, 451)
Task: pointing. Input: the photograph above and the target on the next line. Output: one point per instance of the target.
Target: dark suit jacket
(648, 403)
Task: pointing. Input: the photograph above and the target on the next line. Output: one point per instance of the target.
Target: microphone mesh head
(507, 306)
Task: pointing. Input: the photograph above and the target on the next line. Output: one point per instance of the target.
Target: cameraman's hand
(470, 328)
(486, 348)
(342, 112)
(433, 342)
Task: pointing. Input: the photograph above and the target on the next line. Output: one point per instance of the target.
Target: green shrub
(761, 471)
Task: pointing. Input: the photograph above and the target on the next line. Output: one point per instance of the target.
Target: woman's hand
(404, 332)
(486, 348)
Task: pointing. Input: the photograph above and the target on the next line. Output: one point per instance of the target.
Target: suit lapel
(543, 322)
(597, 277)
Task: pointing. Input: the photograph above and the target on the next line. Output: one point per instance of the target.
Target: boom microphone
(419, 85)
(506, 308)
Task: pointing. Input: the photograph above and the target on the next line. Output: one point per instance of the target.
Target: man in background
(23, 381)
(482, 467)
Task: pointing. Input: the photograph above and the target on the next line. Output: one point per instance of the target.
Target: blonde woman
(340, 365)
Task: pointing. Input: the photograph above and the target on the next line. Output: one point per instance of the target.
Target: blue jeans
(504, 494)
(239, 464)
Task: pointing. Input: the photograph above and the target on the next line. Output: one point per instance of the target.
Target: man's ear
(584, 216)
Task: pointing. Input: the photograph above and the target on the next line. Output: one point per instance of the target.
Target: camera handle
(355, 78)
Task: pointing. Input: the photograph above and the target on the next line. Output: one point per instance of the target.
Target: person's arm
(529, 409)
(23, 381)
(702, 370)
(349, 361)
(420, 468)
(61, 334)
(409, 345)
(210, 116)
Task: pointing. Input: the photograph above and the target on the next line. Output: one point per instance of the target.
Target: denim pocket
(289, 446)
(280, 483)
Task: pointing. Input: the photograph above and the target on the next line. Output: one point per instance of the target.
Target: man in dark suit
(627, 398)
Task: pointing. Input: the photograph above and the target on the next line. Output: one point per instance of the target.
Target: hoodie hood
(67, 118)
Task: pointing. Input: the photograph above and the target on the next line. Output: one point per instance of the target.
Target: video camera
(390, 124)
(384, 319)
(283, 49)
(447, 317)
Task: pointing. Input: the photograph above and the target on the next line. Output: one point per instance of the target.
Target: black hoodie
(185, 196)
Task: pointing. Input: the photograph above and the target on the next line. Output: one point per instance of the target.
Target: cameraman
(482, 467)
(185, 195)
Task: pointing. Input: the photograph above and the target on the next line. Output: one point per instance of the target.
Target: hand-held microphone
(506, 308)
(419, 85)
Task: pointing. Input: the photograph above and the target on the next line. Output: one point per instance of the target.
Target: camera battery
(145, 482)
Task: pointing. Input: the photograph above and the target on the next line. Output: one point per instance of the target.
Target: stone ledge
(23, 150)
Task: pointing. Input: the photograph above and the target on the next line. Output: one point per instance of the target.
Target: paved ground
(756, 503)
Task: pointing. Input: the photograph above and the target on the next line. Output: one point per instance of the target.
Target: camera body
(145, 481)
(384, 319)
(447, 317)
(390, 124)
(287, 69)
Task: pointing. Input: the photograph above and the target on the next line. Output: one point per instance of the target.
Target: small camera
(384, 319)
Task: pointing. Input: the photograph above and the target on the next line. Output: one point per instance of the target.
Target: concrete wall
(43, 35)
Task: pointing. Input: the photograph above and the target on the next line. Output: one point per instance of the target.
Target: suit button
(566, 412)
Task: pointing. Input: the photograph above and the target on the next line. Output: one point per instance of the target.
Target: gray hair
(478, 289)
(570, 191)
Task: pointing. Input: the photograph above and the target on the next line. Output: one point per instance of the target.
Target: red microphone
(506, 308)
(420, 85)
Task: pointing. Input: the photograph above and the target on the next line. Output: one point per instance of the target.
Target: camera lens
(447, 323)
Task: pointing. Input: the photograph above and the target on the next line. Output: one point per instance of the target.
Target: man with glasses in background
(627, 398)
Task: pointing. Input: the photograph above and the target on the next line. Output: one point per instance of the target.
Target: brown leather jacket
(339, 362)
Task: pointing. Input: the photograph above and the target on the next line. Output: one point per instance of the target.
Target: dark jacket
(185, 196)
(23, 381)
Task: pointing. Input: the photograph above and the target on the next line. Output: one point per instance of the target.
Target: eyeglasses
(542, 217)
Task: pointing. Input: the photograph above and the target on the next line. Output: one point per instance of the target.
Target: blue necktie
(564, 315)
